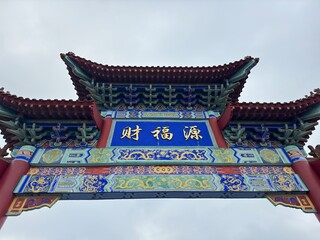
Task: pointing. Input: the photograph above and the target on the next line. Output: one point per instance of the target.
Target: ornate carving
(160, 155)
(160, 178)
(314, 152)
(26, 203)
(264, 134)
(299, 201)
(161, 183)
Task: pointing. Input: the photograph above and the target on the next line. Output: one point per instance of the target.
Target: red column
(11, 177)
(302, 167)
(3, 166)
(312, 181)
(221, 142)
(105, 131)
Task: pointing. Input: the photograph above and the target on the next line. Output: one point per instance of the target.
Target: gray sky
(285, 35)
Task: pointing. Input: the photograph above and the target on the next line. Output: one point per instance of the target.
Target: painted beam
(237, 182)
(159, 156)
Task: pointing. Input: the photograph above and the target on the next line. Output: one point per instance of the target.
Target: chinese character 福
(165, 134)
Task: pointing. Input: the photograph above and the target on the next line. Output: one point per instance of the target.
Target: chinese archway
(157, 132)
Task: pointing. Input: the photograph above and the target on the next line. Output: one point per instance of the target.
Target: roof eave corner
(311, 114)
(76, 70)
(244, 71)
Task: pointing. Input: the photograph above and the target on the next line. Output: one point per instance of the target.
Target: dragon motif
(234, 183)
(137, 155)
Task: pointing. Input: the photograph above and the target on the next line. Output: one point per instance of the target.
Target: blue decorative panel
(161, 133)
(159, 114)
(295, 154)
(160, 178)
(160, 155)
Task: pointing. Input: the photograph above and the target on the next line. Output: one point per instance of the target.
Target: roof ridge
(5, 94)
(314, 95)
(81, 59)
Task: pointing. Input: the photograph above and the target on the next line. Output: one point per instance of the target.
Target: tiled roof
(48, 109)
(155, 75)
(273, 111)
(39, 109)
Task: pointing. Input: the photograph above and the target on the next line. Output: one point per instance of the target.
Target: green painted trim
(75, 69)
(8, 113)
(9, 124)
(312, 113)
(244, 71)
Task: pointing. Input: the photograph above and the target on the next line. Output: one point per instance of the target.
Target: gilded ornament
(288, 170)
(33, 171)
(224, 155)
(163, 169)
(39, 184)
(284, 182)
(234, 183)
(52, 156)
(167, 182)
(269, 156)
(99, 155)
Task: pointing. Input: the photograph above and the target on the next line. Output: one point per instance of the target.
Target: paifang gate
(157, 132)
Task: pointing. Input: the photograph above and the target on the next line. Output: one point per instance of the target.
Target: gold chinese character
(156, 132)
(192, 132)
(131, 133)
(165, 134)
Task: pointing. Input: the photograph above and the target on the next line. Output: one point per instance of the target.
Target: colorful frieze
(299, 201)
(71, 143)
(159, 169)
(24, 153)
(26, 203)
(164, 133)
(159, 178)
(131, 114)
(160, 155)
(295, 154)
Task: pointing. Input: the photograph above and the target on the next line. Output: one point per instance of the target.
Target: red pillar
(312, 181)
(221, 142)
(302, 167)
(3, 166)
(105, 131)
(11, 177)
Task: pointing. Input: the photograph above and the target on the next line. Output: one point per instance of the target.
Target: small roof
(274, 111)
(12, 107)
(48, 109)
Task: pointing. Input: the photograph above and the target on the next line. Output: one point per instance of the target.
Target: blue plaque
(161, 133)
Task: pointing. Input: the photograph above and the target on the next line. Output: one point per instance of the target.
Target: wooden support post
(3, 166)
(221, 142)
(104, 134)
(312, 181)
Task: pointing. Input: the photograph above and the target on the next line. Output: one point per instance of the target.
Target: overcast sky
(285, 35)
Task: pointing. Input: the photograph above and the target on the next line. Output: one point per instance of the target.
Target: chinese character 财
(130, 133)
